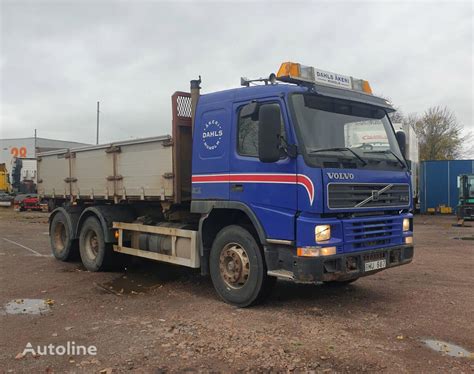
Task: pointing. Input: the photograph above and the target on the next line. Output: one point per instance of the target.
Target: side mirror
(269, 132)
(402, 141)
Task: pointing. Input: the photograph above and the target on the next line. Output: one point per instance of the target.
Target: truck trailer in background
(255, 183)
(369, 135)
(439, 183)
(412, 155)
(19, 157)
(24, 175)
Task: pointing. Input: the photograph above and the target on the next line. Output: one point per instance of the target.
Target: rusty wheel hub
(234, 265)
(59, 237)
(92, 244)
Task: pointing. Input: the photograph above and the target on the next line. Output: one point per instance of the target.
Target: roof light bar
(296, 73)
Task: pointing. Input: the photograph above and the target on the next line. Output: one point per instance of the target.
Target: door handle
(237, 187)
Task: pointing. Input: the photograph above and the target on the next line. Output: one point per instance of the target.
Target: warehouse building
(19, 157)
(439, 183)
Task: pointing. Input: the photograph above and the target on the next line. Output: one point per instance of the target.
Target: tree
(397, 116)
(439, 134)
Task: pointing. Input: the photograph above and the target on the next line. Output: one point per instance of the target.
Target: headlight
(406, 224)
(322, 233)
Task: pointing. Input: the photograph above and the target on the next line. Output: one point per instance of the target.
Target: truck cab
(327, 204)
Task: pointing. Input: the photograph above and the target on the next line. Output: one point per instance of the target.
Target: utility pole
(97, 136)
(35, 144)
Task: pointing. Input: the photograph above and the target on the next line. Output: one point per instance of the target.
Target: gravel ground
(155, 317)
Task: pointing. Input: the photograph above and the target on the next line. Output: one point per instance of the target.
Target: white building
(26, 150)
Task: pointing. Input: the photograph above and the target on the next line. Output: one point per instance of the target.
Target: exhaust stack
(195, 92)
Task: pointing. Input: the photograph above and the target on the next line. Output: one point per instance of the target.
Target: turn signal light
(315, 251)
(406, 224)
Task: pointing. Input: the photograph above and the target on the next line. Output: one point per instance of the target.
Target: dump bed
(157, 168)
(140, 169)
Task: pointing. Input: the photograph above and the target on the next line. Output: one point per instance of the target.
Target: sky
(58, 58)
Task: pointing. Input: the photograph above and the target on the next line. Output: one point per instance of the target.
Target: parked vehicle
(5, 199)
(465, 208)
(24, 175)
(255, 183)
(439, 184)
(24, 202)
(5, 185)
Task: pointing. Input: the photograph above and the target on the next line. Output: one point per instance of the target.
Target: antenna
(97, 133)
(246, 81)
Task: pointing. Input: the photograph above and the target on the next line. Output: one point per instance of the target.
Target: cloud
(58, 59)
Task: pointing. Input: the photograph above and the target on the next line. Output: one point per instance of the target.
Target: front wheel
(237, 267)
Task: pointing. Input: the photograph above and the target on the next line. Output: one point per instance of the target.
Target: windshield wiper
(389, 151)
(340, 149)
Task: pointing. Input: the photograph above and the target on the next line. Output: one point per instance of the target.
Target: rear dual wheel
(237, 267)
(63, 246)
(96, 255)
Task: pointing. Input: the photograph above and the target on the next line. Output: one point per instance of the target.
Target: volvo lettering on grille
(340, 176)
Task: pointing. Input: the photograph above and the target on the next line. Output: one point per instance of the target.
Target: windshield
(334, 131)
(470, 186)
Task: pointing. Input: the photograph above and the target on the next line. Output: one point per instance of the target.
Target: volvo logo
(374, 196)
(341, 176)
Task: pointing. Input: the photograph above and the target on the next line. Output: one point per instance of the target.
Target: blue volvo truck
(286, 177)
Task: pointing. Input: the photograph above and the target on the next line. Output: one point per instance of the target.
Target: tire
(237, 268)
(96, 255)
(51, 205)
(63, 246)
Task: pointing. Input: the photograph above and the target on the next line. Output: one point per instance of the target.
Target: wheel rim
(234, 265)
(91, 243)
(60, 237)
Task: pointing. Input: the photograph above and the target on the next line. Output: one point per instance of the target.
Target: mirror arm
(290, 149)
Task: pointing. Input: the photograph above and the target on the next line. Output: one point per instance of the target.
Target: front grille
(371, 233)
(360, 195)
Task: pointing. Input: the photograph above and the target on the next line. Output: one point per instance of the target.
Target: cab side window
(247, 141)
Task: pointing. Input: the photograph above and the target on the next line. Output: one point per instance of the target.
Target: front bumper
(339, 267)
(466, 212)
